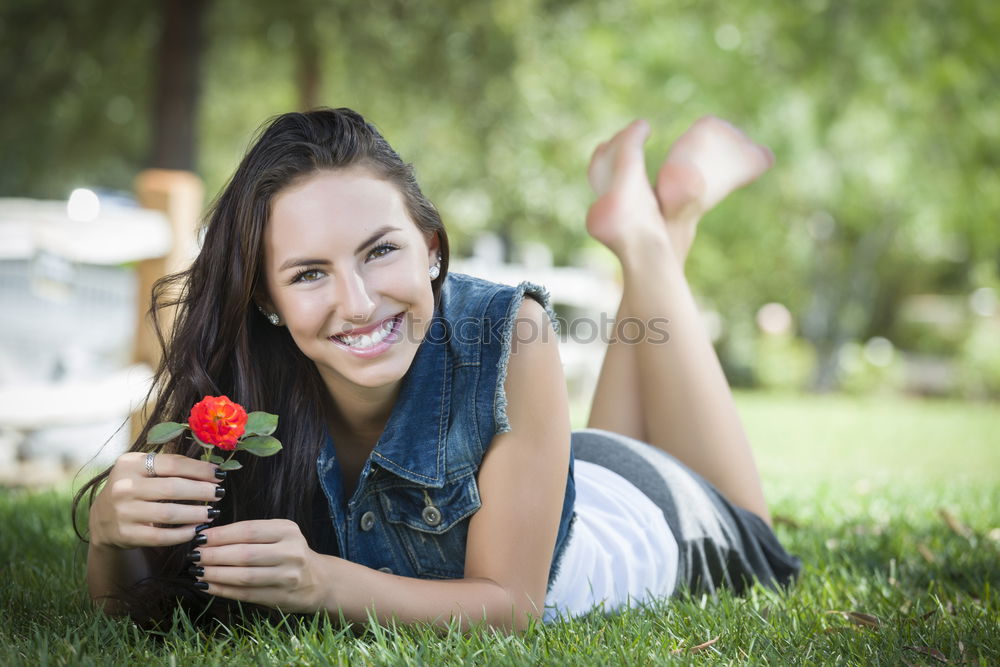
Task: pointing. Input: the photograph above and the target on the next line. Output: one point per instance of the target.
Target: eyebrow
(381, 231)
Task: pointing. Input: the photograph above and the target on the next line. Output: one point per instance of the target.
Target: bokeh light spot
(83, 205)
(774, 319)
(728, 37)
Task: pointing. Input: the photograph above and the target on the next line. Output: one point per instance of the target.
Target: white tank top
(621, 551)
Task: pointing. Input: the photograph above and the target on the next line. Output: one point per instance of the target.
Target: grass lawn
(894, 506)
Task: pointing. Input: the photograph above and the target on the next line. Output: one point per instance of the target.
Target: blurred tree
(76, 83)
(177, 84)
(884, 119)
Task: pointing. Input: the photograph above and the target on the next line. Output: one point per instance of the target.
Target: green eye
(381, 250)
(307, 276)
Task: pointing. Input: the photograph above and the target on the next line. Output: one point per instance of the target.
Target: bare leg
(674, 394)
(616, 405)
(705, 164)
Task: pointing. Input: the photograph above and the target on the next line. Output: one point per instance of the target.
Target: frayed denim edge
(541, 295)
(558, 558)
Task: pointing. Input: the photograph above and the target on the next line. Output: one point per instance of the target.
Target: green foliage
(860, 375)
(77, 86)
(882, 116)
(979, 361)
(783, 362)
(260, 445)
(857, 486)
(261, 423)
(165, 432)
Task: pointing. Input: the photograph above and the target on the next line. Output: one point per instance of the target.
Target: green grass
(859, 486)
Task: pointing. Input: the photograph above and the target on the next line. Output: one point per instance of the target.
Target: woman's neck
(360, 416)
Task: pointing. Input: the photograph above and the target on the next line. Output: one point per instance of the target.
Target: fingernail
(197, 570)
(201, 585)
(202, 527)
(220, 474)
(200, 539)
(194, 556)
(213, 512)
(219, 492)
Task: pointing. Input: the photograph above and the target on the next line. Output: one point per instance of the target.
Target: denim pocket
(433, 524)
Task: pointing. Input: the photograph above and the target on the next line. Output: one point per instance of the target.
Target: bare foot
(626, 211)
(710, 160)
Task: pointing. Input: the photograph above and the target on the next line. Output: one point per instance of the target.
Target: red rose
(216, 420)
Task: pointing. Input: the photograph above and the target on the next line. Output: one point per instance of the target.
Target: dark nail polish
(197, 571)
(221, 474)
(213, 512)
(219, 492)
(194, 556)
(202, 527)
(200, 539)
(201, 585)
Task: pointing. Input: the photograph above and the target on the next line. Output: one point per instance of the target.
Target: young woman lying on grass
(429, 472)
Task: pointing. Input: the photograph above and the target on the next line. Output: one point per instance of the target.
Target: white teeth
(368, 340)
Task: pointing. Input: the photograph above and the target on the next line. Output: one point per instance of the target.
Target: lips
(370, 337)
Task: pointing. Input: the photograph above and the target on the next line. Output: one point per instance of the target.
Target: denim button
(367, 521)
(387, 570)
(431, 515)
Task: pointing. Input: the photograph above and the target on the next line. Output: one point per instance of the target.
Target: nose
(355, 303)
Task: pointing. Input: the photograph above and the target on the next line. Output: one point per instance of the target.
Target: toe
(636, 132)
(679, 188)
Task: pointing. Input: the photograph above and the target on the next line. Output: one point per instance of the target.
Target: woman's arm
(111, 571)
(522, 480)
(511, 538)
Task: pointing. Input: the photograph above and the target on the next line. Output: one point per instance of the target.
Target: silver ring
(150, 470)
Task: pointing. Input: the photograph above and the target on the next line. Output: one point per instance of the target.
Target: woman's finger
(264, 596)
(262, 531)
(175, 465)
(177, 488)
(241, 555)
(243, 577)
(154, 536)
(144, 511)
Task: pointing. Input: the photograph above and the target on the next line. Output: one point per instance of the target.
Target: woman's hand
(136, 510)
(266, 562)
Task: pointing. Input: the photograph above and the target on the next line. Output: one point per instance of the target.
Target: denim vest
(410, 512)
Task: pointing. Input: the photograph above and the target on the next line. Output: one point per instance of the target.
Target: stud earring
(271, 317)
(434, 272)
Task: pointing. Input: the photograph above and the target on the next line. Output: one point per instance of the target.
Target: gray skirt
(719, 544)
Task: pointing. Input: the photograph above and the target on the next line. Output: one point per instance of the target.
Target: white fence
(68, 318)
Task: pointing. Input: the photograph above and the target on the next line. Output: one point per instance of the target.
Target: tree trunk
(175, 103)
(844, 302)
(307, 55)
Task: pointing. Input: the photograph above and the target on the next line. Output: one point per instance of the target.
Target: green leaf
(231, 464)
(165, 432)
(215, 458)
(261, 423)
(260, 445)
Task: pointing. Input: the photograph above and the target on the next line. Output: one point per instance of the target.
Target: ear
(263, 301)
(433, 248)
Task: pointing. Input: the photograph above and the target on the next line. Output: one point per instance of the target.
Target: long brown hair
(220, 343)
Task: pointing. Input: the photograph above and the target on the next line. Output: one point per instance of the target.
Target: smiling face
(347, 273)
